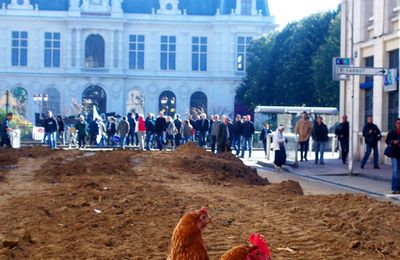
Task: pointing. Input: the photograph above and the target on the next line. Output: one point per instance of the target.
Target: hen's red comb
(203, 210)
(262, 251)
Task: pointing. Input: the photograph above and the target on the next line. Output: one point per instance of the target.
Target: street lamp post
(7, 101)
(41, 99)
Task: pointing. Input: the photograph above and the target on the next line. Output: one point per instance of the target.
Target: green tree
(280, 68)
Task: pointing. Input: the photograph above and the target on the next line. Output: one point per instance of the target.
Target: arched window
(135, 102)
(20, 96)
(94, 51)
(94, 96)
(167, 103)
(54, 100)
(198, 102)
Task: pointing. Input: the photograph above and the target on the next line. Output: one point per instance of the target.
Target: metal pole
(351, 129)
(7, 101)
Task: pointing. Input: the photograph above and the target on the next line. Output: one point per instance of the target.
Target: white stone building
(371, 35)
(130, 55)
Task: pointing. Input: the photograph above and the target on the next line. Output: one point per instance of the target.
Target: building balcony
(94, 70)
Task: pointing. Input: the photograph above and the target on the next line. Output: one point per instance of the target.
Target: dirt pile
(11, 156)
(288, 188)
(216, 169)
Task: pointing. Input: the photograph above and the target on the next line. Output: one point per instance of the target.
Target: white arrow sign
(361, 71)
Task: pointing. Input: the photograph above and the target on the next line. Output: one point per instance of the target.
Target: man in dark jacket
(237, 133)
(130, 140)
(93, 131)
(178, 125)
(320, 136)
(150, 130)
(393, 140)
(342, 133)
(160, 127)
(5, 129)
(247, 135)
(203, 126)
(213, 132)
(372, 135)
(50, 129)
(222, 135)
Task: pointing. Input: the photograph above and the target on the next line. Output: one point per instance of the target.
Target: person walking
(61, 130)
(170, 133)
(50, 129)
(150, 131)
(264, 136)
(111, 130)
(178, 130)
(247, 135)
(93, 131)
(123, 130)
(102, 132)
(203, 127)
(223, 135)
(130, 140)
(187, 129)
(342, 132)
(372, 135)
(320, 136)
(393, 151)
(5, 131)
(303, 129)
(82, 132)
(141, 131)
(279, 141)
(213, 132)
(160, 128)
(237, 134)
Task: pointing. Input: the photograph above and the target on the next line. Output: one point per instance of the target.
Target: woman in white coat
(279, 141)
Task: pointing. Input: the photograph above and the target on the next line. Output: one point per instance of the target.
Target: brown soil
(125, 205)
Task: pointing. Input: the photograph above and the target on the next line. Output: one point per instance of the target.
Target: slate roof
(193, 7)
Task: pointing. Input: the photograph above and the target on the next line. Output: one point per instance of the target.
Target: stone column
(254, 10)
(69, 56)
(238, 9)
(78, 46)
(120, 50)
(111, 63)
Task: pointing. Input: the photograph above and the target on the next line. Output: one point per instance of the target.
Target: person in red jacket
(141, 131)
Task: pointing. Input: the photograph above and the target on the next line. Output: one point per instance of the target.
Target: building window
(199, 53)
(168, 52)
(136, 52)
(369, 92)
(167, 103)
(94, 96)
(198, 103)
(94, 51)
(19, 50)
(246, 7)
(393, 95)
(52, 45)
(242, 46)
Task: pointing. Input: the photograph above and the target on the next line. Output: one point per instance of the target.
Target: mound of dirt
(288, 187)
(11, 156)
(191, 149)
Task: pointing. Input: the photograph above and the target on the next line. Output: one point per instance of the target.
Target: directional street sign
(338, 62)
(361, 71)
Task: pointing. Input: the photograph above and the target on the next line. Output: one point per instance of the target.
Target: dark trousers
(149, 140)
(344, 145)
(178, 138)
(160, 141)
(280, 156)
(265, 146)
(5, 140)
(371, 147)
(202, 138)
(81, 141)
(304, 149)
(213, 143)
(93, 139)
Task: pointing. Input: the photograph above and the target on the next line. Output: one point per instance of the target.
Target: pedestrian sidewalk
(375, 182)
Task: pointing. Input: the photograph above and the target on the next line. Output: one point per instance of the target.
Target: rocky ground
(125, 205)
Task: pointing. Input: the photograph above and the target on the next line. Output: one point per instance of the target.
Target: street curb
(291, 171)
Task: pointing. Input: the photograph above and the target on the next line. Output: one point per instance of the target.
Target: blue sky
(286, 11)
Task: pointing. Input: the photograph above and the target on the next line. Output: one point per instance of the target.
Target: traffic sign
(361, 71)
(343, 61)
(339, 62)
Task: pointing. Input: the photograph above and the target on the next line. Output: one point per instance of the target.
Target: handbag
(390, 151)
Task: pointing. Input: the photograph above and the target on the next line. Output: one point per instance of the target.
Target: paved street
(371, 181)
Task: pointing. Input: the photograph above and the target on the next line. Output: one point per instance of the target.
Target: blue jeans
(202, 138)
(52, 139)
(319, 149)
(371, 147)
(149, 140)
(247, 143)
(236, 144)
(160, 141)
(395, 174)
(122, 139)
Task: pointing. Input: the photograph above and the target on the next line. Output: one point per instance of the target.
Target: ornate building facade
(127, 55)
